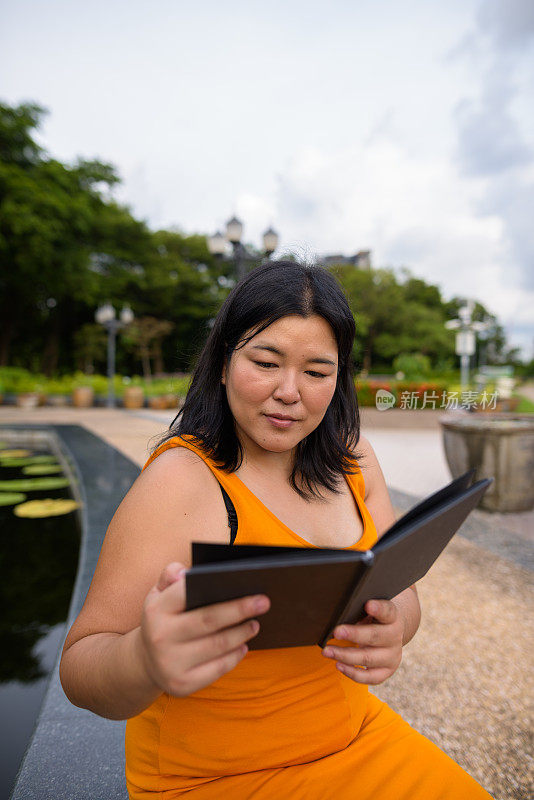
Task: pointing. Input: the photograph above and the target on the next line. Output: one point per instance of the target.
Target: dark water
(38, 560)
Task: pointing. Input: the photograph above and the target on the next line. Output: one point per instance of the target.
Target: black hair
(274, 290)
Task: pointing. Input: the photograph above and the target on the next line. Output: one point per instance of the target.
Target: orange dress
(284, 723)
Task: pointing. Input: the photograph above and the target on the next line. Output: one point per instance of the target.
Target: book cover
(314, 589)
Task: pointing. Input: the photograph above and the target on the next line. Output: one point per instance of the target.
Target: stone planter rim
(486, 422)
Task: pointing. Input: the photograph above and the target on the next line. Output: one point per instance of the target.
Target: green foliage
(413, 365)
(66, 246)
(42, 469)
(145, 336)
(525, 406)
(25, 461)
(393, 317)
(33, 484)
(16, 380)
(16, 143)
(11, 498)
(89, 344)
(41, 509)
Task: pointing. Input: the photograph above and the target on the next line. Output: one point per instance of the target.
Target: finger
(207, 673)
(371, 677)
(384, 611)
(375, 635)
(369, 658)
(169, 575)
(209, 619)
(209, 648)
(369, 635)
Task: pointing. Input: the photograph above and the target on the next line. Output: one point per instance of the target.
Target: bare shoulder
(177, 467)
(377, 497)
(177, 487)
(368, 463)
(174, 500)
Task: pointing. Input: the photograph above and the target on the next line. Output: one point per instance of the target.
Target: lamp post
(240, 255)
(105, 315)
(465, 338)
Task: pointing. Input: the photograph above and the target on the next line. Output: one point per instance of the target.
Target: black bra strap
(232, 515)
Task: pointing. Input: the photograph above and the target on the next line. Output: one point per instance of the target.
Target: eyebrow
(278, 352)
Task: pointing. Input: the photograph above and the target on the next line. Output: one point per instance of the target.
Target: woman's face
(281, 382)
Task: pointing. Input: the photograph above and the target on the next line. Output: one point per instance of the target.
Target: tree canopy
(67, 246)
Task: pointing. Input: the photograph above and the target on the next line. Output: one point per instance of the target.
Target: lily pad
(33, 484)
(25, 461)
(38, 509)
(11, 498)
(15, 453)
(42, 469)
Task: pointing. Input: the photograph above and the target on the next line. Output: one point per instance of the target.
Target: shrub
(16, 380)
(414, 366)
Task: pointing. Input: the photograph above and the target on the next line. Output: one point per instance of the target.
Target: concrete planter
(83, 397)
(58, 400)
(27, 399)
(498, 446)
(133, 397)
(158, 402)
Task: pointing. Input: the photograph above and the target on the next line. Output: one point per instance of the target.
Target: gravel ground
(465, 681)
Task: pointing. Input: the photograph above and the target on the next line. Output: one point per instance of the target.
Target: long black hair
(274, 290)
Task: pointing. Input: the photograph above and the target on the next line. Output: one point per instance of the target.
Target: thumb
(170, 588)
(173, 572)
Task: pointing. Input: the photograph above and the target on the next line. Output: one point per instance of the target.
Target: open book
(312, 589)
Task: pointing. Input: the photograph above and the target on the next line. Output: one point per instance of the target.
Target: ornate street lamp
(105, 315)
(240, 255)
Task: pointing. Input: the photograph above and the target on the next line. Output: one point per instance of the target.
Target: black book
(313, 589)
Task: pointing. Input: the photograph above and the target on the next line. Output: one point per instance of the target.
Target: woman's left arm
(390, 624)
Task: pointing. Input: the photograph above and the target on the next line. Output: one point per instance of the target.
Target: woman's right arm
(132, 639)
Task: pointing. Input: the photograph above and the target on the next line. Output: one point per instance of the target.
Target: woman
(264, 451)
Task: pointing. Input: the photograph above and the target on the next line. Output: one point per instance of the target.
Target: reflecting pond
(39, 545)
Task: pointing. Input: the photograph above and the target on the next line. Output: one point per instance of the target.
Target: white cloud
(410, 211)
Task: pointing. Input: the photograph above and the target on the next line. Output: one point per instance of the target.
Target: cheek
(246, 386)
(320, 399)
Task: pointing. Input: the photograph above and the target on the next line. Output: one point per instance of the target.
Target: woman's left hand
(379, 640)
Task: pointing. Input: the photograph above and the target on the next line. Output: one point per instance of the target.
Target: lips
(282, 416)
(281, 421)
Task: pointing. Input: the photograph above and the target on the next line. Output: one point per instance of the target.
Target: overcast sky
(404, 127)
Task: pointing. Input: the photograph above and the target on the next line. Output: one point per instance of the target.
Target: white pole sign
(465, 343)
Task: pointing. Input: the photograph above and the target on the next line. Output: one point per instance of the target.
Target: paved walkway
(463, 681)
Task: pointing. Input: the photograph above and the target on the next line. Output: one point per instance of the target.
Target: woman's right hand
(184, 651)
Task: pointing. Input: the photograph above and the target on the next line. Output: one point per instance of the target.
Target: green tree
(144, 336)
(61, 240)
(90, 346)
(394, 317)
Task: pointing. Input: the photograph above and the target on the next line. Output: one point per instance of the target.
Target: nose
(287, 389)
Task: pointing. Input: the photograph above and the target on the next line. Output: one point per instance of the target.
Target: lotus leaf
(11, 498)
(15, 453)
(25, 461)
(42, 469)
(33, 484)
(38, 509)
